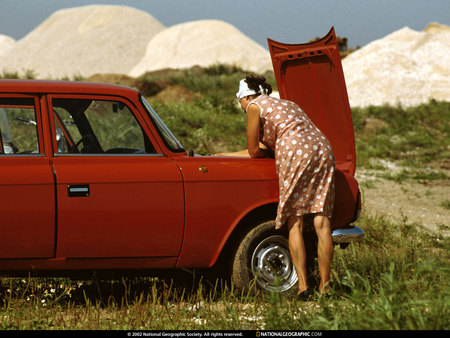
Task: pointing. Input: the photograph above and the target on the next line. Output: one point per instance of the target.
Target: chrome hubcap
(272, 266)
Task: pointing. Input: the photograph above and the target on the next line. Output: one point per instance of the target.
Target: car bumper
(347, 235)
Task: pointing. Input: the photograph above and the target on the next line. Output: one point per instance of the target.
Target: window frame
(99, 97)
(38, 120)
(164, 132)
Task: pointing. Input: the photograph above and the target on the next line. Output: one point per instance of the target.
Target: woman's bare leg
(324, 250)
(297, 250)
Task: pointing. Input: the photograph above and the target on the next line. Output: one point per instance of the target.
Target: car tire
(262, 261)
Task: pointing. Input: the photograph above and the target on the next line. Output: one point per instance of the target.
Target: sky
(288, 21)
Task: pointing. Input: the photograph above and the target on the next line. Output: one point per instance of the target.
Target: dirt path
(410, 201)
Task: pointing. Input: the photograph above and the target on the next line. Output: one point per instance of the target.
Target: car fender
(219, 193)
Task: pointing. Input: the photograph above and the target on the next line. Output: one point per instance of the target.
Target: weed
(445, 204)
(75, 77)
(369, 184)
(414, 135)
(27, 74)
(10, 75)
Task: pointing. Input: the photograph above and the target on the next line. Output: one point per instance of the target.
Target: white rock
(203, 43)
(406, 67)
(6, 43)
(84, 40)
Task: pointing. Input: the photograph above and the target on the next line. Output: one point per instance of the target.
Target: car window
(18, 126)
(169, 139)
(98, 127)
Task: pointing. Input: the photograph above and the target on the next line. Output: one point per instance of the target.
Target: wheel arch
(256, 216)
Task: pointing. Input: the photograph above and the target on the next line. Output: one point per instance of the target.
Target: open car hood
(311, 75)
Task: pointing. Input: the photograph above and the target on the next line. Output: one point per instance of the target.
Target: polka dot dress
(304, 159)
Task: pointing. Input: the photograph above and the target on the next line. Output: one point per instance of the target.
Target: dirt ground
(411, 201)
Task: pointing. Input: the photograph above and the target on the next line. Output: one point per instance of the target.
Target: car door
(311, 75)
(117, 195)
(27, 193)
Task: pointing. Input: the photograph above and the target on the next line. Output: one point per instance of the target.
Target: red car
(92, 179)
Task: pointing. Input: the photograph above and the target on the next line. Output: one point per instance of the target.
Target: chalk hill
(406, 67)
(84, 40)
(202, 43)
(6, 43)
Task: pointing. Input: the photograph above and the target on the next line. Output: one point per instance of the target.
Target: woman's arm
(254, 149)
(241, 153)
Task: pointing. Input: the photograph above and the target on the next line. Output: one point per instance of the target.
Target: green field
(396, 279)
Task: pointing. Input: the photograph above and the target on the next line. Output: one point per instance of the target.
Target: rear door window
(18, 127)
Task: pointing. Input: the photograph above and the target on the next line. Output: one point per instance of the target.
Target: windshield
(169, 139)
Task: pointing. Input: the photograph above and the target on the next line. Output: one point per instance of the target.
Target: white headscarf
(245, 91)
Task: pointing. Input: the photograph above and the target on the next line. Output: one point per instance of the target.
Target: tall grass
(219, 81)
(206, 126)
(213, 123)
(26, 74)
(30, 74)
(398, 278)
(413, 136)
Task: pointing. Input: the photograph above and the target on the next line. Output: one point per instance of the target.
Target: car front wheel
(263, 258)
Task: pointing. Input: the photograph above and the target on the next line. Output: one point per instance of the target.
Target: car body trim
(108, 155)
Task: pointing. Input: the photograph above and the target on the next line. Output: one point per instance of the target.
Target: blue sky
(289, 21)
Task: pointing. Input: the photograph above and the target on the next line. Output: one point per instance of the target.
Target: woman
(305, 168)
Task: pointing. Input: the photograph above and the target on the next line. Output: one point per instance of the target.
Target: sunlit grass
(398, 278)
(412, 136)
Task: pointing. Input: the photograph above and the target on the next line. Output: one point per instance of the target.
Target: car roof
(69, 87)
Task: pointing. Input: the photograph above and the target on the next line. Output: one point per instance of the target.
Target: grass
(396, 279)
(446, 204)
(27, 74)
(418, 175)
(412, 136)
(212, 123)
(205, 126)
(31, 75)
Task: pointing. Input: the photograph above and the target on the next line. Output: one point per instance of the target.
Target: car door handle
(78, 190)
